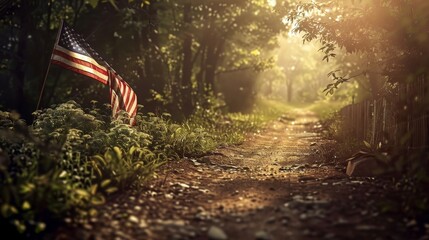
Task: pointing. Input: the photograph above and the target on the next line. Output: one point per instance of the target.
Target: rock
(183, 185)
(364, 165)
(133, 219)
(313, 144)
(216, 233)
(262, 235)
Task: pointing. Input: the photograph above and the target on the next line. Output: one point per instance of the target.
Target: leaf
(93, 189)
(98, 200)
(40, 227)
(82, 192)
(105, 183)
(92, 212)
(98, 158)
(26, 205)
(111, 189)
(63, 174)
(118, 152)
(93, 3)
(28, 187)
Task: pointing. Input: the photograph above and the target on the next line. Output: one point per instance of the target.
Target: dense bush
(65, 162)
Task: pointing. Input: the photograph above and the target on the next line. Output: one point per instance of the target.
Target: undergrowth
(70, 159)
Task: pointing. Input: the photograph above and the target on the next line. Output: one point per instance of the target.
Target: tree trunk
(19, 65)
(187, 102)
(213, 54)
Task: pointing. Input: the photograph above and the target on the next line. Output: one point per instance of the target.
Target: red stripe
(81, 62)
(133, 100)
(126, 94)
(129, 94)
(80, 71)
(129, 98)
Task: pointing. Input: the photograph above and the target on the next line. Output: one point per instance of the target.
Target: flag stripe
(122, 97)
(69, 58)
(80, 56)
(76, 68)
(90, 64)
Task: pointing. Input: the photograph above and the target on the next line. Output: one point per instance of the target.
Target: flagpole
(49, 66)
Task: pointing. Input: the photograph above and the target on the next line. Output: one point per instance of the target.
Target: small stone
(133, 219)
(183, 185)
(143, 224)
(216, 233)
(262, 235)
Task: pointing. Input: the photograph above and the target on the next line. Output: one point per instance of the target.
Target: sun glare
(272, 3)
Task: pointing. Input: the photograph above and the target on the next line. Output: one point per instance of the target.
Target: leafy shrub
(56, 122)
(63, 164)
(125, 167)
(32, 190)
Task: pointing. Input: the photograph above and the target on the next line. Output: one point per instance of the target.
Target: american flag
(122, 97)
(72, 52)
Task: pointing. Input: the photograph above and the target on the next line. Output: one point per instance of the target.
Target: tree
(391, 34)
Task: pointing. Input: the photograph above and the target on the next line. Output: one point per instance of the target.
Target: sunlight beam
(272, 3)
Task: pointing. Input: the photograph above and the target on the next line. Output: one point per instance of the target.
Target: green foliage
(125, 167)
(174, 139)
(69, 160)
(366, 34)
(55, 167)
(33, 188)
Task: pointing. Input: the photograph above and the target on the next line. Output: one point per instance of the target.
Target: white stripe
(79, 56)
(126, 95)
(81, 67)
(133, 108)
(129, 95)
(130, 100)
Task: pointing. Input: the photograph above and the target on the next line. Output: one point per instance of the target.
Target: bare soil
(283, 182)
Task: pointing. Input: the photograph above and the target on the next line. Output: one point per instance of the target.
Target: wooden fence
(401, 120)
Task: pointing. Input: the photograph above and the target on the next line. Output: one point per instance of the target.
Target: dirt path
(278, 184)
